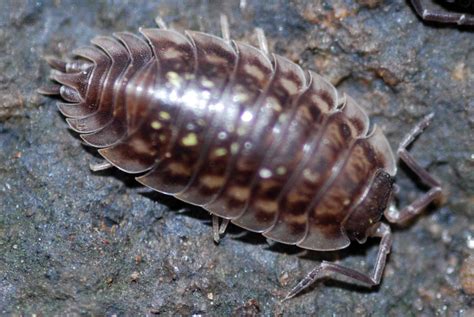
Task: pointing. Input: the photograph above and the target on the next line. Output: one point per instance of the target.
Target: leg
(96, 167)
(262, 41)
(435, 192)
(223, 227)
(225, 28)
(380, 230)
(217, 230)
(439, 16)
(161, 24)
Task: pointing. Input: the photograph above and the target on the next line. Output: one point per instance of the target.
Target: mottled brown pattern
(256, 132)
(152, 114)
(215, 62)
(333, 204)
(250, 137)
(251, 76)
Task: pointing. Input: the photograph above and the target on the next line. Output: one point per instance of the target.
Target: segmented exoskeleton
(246, 134)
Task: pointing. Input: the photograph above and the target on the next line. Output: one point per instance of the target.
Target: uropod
(247, 135)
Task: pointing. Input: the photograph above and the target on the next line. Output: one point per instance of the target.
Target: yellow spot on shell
(171, 53)
(277, 107)
(265, 173)
(164, 115)
(190, 139)
(312, 177)
(174, 79)
(207, 83)
(234, 147)
(281, 170)
(241, 130)
(220, 151)
(240, 97)
(156, 125)
(246, 116)
(282, 118)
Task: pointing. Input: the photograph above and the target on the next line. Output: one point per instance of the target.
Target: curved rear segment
(93, 85)
(139, 53)
(81, 83)
(119, 60)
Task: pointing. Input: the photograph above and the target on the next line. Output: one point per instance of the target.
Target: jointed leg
(380, 230)
(225, 28)
(217, 230)
(96, 167)
(161, 23)
(262, 40)
(439, 16)
(435, 191)
(223, 227)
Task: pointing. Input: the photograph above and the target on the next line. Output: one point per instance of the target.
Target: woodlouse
(246, 134)
(461, 12)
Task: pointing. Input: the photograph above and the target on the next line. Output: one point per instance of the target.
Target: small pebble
(467, 275)
(134, 276)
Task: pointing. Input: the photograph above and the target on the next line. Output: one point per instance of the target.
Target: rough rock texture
(72, 241)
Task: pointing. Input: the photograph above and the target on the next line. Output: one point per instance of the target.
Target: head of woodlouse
(371, 209)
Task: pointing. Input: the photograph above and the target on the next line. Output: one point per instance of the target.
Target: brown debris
(467, 275)
(249, 309)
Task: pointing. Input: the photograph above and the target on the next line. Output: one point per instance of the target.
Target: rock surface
(73, 241)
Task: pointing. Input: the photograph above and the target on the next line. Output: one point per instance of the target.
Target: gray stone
(73, 241)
